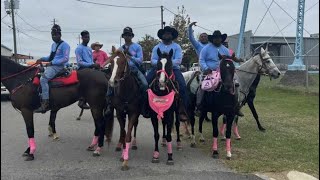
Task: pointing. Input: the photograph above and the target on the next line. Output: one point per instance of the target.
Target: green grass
(291, 141)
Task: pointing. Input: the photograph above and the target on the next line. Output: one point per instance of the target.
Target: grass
(291, 141)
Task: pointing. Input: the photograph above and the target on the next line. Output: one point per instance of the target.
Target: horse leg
(97, 113)
(201, 119)
(95, 138)
(28, 119)
(235, 128)
(109, 120)
(192, 122)
(81, 112)
(122, 122)
(223, 128)
(215, 132)
(155, 157)
(177, 124)
(52, 125)
(133, 118)
(255, 114)
(134, 141)
(230, 118)
(169, 138)
(164, 137)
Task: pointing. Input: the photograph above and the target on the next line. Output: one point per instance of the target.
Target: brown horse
(126, 101)
(25, 98)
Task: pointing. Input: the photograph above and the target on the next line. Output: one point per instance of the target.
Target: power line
(170, 11)
(119, 6)
(4, 17)
(27, 22)
(263, 17)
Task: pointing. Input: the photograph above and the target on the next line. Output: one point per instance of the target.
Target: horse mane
(6, 62)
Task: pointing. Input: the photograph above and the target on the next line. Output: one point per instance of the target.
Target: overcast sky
(105, 24)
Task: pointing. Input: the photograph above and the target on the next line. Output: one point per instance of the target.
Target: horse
(163, 101)
(126, 101)
(19, 80)
(219, 103)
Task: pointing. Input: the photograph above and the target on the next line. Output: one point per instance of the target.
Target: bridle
(222, 82)
(261, 66)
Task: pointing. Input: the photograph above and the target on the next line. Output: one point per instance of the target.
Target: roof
(6, 47)
(272, 42)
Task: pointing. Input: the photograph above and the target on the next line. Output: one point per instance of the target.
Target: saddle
(64, 78)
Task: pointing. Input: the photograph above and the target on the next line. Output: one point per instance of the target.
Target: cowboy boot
(44, 107)
(82, 104)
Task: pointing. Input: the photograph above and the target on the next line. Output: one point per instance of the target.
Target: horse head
(266, 64)
(119, 67)
(227, 70)
(164, 68)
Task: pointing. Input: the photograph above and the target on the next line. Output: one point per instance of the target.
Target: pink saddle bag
(211, 81)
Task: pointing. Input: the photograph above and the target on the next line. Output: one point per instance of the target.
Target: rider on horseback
(203, 39)
(84, 60)
(209, 59)
(134, 54)
(167, 35)
(58, 60)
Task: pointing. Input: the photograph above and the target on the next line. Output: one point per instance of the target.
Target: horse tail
(109, 122)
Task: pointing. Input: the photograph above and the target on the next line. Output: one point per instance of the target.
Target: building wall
(5, 52)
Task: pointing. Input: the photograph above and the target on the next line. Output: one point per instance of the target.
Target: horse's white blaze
(162, 74)
(114, 71)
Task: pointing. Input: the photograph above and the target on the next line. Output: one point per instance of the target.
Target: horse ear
(113, 49)
(262, 51)
(171, 53)
(267, 47)
(159, 52)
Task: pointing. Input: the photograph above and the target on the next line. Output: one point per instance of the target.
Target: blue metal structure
(242, 28)
(298, 60)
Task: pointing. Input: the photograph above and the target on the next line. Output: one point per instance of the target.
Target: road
(68, 158)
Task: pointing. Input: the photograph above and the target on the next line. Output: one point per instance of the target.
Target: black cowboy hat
(127, 30)
(173, 32)
(216, 34)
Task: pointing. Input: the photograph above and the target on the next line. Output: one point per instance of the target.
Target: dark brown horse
(25, 98)
(162, 86)
(126, 101)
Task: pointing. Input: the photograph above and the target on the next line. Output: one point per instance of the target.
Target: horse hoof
(78, 118)
(228, 158)
(90, 148)
(262, 129)
(118, 149)
(50, 135)
(163, 144)
(155, 160)
(30, 157)
(56, 138)
(95, 154)
(170, 162)
(202, 140)
(134, 147)
(193, 145)
(223, 139)
(125, 168)
(121, 159)
(215, 155)
(25, 154)
(238, 138)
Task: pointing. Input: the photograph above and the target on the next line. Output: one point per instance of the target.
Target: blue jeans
(48, 74)
(179, 78)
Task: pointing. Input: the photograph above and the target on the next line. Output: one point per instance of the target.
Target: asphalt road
(68, 158)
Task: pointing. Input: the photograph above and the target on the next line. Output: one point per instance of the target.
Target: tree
(181, 22)
(147, 43)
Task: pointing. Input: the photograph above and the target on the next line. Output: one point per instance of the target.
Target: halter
(260, 67)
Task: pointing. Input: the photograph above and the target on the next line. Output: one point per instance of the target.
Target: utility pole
(242, 28)
(54, 21)
(10, 6)
(162, 17)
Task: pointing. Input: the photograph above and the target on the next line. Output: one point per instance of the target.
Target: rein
(170, 79)
(21, 72)
(260, 68)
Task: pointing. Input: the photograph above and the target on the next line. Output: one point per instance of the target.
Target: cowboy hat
(216, 34)
(127, 30)
(96, 44)
(173, 32)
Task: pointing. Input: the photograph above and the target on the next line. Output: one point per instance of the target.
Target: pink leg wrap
(126, 152)
(222, 128)
(32, 145)
(98, 149)
(169, 146)
(94, 140)
(215, 144)
(236, 131)
(228, 144)
(156, 154)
